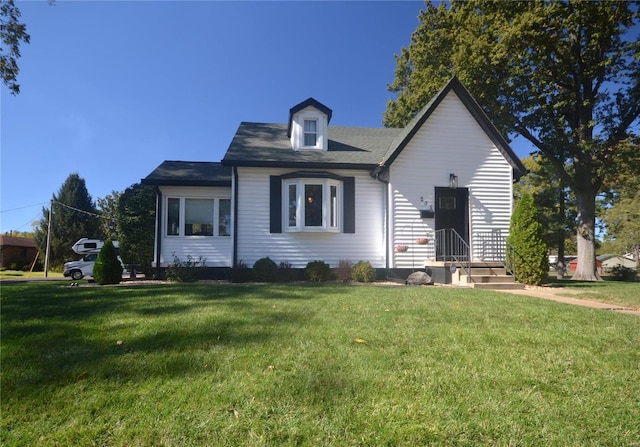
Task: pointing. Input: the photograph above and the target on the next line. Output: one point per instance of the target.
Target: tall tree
(564, 75)
(108, 207)
(136, 212)
(74, 216)
(555, 204)
(12, 34)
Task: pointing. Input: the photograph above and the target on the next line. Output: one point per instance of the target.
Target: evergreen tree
(563, 75)
(136, 215)
(74, 217)
(529, 255)
(555, 204)
(107, 269)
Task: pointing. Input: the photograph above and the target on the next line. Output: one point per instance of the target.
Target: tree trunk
(560, 266)
(586, 269)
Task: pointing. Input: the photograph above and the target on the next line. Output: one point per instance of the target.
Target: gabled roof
(476, 111)
(267, 145)
(309, 102)
(189, 173)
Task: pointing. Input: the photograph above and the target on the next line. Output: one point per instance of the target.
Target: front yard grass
(208, 364)
(615, 292)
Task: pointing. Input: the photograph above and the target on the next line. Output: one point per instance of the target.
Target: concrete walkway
(537, 293)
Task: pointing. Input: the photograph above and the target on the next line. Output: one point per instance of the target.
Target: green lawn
(614, 292)
(205, 364)
(19, 274)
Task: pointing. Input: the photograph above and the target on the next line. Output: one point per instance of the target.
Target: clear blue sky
(111, 89)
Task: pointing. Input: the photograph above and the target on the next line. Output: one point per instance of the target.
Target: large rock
(418, 279)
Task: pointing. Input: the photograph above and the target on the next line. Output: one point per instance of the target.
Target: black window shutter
(349, 199)
(275, 204)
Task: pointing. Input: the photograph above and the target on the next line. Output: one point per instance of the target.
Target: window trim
(300, 183)
(316, 133)
(182, 215)
(277, 208)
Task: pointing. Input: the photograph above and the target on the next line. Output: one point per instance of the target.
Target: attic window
(310, 133)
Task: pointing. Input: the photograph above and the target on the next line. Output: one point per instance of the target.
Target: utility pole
(48, 250)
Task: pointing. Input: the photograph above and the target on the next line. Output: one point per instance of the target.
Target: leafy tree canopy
(563, 75)
(12, 34)
(136, 211)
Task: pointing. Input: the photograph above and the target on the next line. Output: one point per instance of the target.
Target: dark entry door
(452, 212)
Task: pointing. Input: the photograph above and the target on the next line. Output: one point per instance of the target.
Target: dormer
(308, 126)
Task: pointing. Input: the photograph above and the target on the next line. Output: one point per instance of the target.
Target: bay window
(312, 201)
(312, 204)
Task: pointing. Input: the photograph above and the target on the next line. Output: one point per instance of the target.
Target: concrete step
(497, 286)
(488, 278)
(480, 271)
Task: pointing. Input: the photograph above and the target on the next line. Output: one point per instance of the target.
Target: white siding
(217, 251)
(255, 241)
(450, 142)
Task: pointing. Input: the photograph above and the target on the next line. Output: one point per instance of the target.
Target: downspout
(382, 177)
(235, 218)
(158, 229)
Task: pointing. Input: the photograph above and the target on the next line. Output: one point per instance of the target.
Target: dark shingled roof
(267, 145)
(189, 173)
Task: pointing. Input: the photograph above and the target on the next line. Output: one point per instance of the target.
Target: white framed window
(313, 204)
(310, 133)
(196, 216)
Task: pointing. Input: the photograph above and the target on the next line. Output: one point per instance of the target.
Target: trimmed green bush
(317, 271)
(265, 270)
(107, 269)
(363, 271)
(528, 258)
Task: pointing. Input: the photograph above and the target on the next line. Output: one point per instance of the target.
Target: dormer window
(310, 133)
(309, 125)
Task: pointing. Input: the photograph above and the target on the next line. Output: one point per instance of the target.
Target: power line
(100, 216)
(23, 207)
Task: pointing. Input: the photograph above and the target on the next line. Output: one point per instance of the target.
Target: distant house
(438, 190)
(605, 263)
(17, 251)
(609, 262)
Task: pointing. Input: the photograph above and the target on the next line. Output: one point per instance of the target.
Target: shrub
(529, 254)
(622, 273)
(363, 271)
(186, 271)
(317, 271)
(286, 272)
(107, 269)
(240, 273)
(343, 271)
(16, 265)
(264, 270)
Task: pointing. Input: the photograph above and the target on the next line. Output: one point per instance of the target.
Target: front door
(452, 211)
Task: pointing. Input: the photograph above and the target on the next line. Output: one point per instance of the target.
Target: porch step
(496, 285)
(492, 276)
